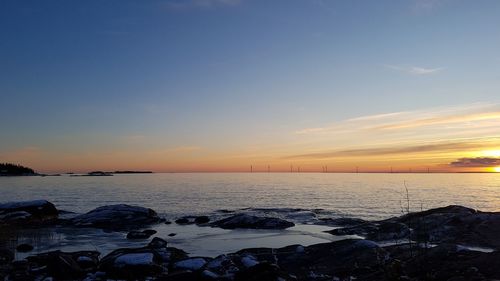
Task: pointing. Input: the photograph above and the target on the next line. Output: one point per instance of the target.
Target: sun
(496, 169)
(491, 153)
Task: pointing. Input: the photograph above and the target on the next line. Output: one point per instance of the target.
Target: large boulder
(36, 211)
(117, 216)
(253, 222)
(451, 224)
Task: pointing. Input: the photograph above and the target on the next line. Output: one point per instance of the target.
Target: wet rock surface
(117, 216)
(252, 222)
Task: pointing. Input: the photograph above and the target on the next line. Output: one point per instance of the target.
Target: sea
(299, 197)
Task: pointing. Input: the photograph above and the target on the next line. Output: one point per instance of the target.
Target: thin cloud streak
(480, 114)
(390, 150)
(415, 70)
(442, 120)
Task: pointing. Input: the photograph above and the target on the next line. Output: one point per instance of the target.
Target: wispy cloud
(476, 162)
(415, 70)
(472, 115)
(186, 4)
(391, 150)
(442, 132)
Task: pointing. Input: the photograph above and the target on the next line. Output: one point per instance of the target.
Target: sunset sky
(219, 85)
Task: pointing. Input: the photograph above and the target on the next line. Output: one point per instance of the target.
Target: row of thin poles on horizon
(324, 169)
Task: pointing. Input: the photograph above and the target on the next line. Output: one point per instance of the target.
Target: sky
(223, 85)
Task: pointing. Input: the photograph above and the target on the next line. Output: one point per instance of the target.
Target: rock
(157, 243)
(168, 222)
(223, 265)
(132, 263)
(150, 231)
(24, 248)
(139, 263)
(36, 211)
(117, 217)
(192, 264)
(182, 221)
(172, 234)
(342, 221)
(352, 257)
(64, 265)
(145, 234)
(253, 222)
(451, 224)
(201, 220)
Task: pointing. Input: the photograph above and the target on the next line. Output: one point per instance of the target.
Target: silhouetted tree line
(9, 169)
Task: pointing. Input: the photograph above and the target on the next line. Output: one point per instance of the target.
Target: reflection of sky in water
(197, 241)
(367, 196)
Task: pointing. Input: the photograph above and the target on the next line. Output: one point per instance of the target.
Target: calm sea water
(369, 196)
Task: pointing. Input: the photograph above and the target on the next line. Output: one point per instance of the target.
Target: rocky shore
(449, 243)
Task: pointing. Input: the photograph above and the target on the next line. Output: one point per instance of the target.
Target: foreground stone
(27, 212)
(252, 222)
(117, 216)
(138, 263)
(451, 224)
(60, 265)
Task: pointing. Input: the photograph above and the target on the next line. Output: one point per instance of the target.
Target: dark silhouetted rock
(63, 265)
(26, 212)
(451, 224)
(342, 221)
(132, 263)
(253, 222)
(201, 220)
(182, 221)
(157, 243)
(139, 263)
(117, 216)
(24, 248)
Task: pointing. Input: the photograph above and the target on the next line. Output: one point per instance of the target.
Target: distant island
(9, 169)
(132, 172)
(101, 173)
